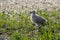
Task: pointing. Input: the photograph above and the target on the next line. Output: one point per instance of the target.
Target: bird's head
(32, 12)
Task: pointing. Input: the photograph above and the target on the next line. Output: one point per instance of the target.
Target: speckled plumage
(37, 20)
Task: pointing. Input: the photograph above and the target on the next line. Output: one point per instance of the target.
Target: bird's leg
(36, 25)
(39, 30)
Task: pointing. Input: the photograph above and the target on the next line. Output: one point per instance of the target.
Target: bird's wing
(39, 19)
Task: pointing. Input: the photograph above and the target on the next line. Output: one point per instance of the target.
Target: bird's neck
(31, 15)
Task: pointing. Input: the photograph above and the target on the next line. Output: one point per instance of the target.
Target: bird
(36, 19)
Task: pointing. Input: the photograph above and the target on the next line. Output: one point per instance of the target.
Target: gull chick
(36, 19)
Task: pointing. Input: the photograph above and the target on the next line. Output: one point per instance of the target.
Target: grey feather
(37, 20)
